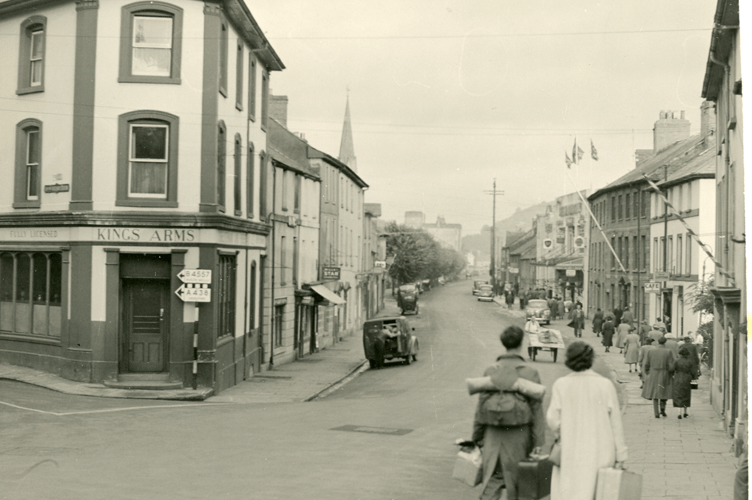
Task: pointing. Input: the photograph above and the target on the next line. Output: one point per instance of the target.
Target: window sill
(251, 118)
(27, 204)
(250, 216)
(239, 106)
(29, 90)
(223, 91)
(238, 213)
(146, 203)
(149, 79)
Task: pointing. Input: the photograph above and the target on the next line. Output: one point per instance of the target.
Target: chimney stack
(669, 129)
(278, 108)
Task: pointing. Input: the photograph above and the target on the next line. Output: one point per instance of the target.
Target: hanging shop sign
(514, 270)
(330, 273)
(652, 287)
(547, 243)
(571, 272)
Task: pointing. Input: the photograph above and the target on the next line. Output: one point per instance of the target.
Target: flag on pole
(593, 151)
(577, 152)
(566, 159)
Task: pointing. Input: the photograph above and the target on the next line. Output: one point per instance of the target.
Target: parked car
(538, 309)
(477, 284)
(404, 345)
(486, 293)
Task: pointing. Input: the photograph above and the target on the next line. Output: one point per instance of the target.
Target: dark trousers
(662, 406)
(378, 350)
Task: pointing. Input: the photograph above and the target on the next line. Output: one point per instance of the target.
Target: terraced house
(133, 141)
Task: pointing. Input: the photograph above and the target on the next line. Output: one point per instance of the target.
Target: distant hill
(521, 220)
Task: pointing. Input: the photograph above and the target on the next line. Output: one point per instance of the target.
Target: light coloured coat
(585, 413)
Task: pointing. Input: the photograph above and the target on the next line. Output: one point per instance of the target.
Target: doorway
(145, 325)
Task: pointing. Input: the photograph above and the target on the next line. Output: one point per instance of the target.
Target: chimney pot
(682, 115)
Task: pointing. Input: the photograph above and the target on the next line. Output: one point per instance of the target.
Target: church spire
(346, 147)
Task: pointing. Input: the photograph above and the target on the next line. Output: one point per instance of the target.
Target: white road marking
(108, 410)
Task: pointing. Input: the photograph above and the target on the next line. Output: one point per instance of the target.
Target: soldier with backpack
(508, 425)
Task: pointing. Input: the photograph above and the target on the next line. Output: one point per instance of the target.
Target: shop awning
(328, 295)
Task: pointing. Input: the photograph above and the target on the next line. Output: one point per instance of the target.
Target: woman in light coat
(631, 348)
(642, 356)
(621, 335)
(585, 415)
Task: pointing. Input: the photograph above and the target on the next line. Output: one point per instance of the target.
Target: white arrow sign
(195, 276)
(194, 292)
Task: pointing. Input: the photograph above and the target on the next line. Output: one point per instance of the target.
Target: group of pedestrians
(583, 414)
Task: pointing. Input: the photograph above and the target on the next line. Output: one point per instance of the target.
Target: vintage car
(538, 309)
(486, 293)
(399, 344)
(477, 284)
(407, 299)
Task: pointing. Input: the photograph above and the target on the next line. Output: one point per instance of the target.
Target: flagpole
(587, 205)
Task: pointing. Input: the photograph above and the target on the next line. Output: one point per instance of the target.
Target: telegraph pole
(492, 271)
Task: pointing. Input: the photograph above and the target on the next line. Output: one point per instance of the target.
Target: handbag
(694, 384)
(555, 455)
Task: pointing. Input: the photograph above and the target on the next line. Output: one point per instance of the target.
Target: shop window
(30, 293)
(279, 314)
(147, 159)
(28, 171)
(31, 56)
(226, 295)
(150, 43)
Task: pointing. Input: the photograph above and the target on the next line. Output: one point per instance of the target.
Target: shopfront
(96, 304)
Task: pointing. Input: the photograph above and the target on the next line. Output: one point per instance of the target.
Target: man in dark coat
(608, 333)
(379, 345)
(597, 322)
(617, 316)
(578, 321)
(505, 447)
(644, 331)
(658, 369)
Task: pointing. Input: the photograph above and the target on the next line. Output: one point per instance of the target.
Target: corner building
(133, 141)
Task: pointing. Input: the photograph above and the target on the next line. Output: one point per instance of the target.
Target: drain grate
(373, 430)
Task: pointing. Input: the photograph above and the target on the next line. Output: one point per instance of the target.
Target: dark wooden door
(146, 324)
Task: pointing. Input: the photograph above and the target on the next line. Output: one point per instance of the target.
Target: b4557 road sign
(194, 292)
(195, 275)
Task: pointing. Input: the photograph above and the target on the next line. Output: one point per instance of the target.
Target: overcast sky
(445, 95)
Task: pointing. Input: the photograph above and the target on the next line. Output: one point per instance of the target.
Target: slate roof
(676, 156)
(289, 150)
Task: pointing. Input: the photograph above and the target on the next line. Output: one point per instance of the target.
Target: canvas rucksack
(504, 408)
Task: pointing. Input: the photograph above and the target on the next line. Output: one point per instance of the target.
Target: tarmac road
(388, 434)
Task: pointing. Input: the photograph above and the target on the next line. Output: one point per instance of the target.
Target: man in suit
(578, 320)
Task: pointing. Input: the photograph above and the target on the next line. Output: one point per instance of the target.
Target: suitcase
(534, 479)
(468, 467)
(618, 484)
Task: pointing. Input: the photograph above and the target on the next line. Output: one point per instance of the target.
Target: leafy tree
(702, 301)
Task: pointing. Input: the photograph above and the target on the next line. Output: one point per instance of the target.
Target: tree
(418, 256)
(702, 301)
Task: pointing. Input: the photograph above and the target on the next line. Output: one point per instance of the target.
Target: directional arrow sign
(195, 276)
(194, 292)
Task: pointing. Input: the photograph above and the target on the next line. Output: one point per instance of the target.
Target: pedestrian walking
(656, 334)
(578, 321)
(627, 316)
(505, 447)
(561, 309)
(642, 356)
(659, 365)
(631, 349)
(598, 322)
(585, 416)
(689, 346)
(685, 371)
(672, 344)
(659, 325)
(644, 331)
(617, 316)
(622, 330)
(608, 333)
